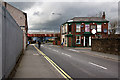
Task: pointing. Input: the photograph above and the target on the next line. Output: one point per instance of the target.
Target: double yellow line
(64, 74)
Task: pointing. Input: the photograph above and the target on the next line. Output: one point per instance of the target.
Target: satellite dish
(93, 31)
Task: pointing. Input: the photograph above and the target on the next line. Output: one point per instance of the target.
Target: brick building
(79, 31)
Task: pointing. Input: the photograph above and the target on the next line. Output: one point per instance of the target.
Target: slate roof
(77, 19)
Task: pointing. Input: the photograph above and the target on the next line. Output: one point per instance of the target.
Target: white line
(97, 65)
(68, 55)
(73, 50)
(56, 51)
(63, 53)
(36, 54)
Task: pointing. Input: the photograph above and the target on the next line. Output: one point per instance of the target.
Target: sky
(47, 15)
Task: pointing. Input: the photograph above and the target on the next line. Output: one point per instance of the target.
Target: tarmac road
(79, 65)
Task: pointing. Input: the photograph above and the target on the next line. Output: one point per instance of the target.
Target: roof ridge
(88, 19)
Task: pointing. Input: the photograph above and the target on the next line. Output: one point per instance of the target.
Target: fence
(11, 42)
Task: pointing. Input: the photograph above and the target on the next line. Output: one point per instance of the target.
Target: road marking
(66, 54)
(73, 50)
(64, 74)
(35, 54)
(97, 65)
(62, 53)
(57, 51)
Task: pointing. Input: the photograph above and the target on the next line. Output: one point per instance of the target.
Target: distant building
(21, 19)
(79, 31)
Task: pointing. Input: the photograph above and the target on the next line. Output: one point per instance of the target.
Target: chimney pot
(103, 16)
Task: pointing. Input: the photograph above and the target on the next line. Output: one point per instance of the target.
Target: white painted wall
(20, 20)
(89, 40)
(0, 41)
(25, 39)
(63, 36)
(12, 42)
(84, 41)
(66, 41)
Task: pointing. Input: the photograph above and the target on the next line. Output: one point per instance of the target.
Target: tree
(113, 26)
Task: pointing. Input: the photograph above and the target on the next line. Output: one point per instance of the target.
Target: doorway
(86, 41)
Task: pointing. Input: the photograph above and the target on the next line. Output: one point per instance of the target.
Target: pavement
(34, 65)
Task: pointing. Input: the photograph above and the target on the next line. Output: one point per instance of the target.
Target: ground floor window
(78, 39)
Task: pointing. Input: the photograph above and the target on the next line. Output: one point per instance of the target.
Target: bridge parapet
(44, 35)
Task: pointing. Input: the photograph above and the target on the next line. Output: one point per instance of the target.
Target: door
(86, 41)
(69, 42)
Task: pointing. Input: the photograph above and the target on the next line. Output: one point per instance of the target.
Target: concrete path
(34, 65)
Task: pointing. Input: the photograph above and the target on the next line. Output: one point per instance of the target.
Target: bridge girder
(44, 35)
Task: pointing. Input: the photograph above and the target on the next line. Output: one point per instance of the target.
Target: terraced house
(79, 31)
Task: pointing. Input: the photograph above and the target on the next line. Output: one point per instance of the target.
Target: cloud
(50, 15)
(22, 5)
(61, 0)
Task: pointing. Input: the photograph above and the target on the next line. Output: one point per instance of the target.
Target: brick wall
(14, 12)
(107, 45)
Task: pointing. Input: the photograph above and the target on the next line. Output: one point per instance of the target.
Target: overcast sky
(50, 15)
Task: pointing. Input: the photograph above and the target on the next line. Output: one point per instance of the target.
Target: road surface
(80, 65)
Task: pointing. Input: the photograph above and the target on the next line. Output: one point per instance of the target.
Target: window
(62, 29)
(105, 30)
(69, 28)
(66, 27)
(82, 30)
(93, 26)
(78, 28)
(82, 25)
(87, 28)
(78, 38)
(98, 28)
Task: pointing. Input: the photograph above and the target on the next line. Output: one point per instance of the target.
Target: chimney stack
(103, 16)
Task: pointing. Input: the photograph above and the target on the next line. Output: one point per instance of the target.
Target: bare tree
(113, 26)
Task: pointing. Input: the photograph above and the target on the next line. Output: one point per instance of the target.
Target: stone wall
(107, 45)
